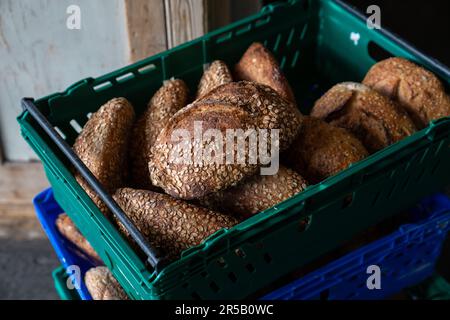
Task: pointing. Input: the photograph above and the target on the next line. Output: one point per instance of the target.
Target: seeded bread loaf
(102, 146)
(258, 64)
(417, 90)
(102, 285)
(213, 77)
(234, 106)
(321, 150)
(168, 224)
(256, 193)
(373, 118)
(70, 231)
(170, 98)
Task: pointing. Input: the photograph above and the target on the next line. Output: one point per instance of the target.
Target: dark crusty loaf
(259, 65)
(321, 150)
(216, 75)
(102, 146)
(70, 231)
(102, 285)
(417, 90)
(373, 118)
(170, 98)
(242, 105)
(168, 224)
(256, 193)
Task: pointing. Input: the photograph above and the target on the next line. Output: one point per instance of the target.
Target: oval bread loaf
(373, 118)
(256, 193)
(213, 77)
(70, 231)
(417, 90)
(258, 64)
(170, 98)
(187, 168)
(102, 285)
(321, 150)
(168, 224)
(102, 146)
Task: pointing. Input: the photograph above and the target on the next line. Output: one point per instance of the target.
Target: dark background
(425, 24)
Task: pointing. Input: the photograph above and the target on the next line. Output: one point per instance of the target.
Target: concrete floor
(26, 269)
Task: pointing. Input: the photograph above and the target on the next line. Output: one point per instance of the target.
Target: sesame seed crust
(416, 89)
(102, 146)
(102, 285)
(256, 193)
(373, 118)
(170, 98)
(242, 105)
(258, 64)
(170, 225)
(322, 150)
(216, 75)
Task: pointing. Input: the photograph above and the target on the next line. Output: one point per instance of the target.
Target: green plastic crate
(311, 40)
(60, 280)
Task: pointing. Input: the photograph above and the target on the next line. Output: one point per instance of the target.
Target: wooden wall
(40, 55)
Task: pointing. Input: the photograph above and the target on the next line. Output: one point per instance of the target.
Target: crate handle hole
(378, 53)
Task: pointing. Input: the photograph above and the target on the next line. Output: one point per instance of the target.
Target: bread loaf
(229, 109)
(170, 98)
(259, 65)
(417, 90)
(256, 193)
(102, 146)
(70, 231)
(213, 77)
(322, 150)
(102, 285)
(370, 116)
(168, 224)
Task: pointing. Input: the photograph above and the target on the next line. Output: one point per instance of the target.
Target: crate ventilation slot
(75, 125)
(146, 69)
(60, 132)
(224, 37)
(125, 77)
(89, 115)
(102, 86)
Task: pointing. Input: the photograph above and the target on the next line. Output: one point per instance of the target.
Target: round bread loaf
(373, 118)
(216, 75)
(258, 64)
(102, 285)
(102, 146)
(256, 193)
(322, 150)
(195, 166)
(170, 98)
(417, 90)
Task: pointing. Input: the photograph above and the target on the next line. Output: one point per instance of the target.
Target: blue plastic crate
(406, 257)
(47, 210)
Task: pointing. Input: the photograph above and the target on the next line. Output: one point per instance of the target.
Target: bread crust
(170, 98)
(169, 225)
(373, 118)
(70, 231)
(242, 105)
(102, 146)
(416, 89)
(256, 193)
(102, 285)
(216, 75)
(258, 64)
(322, 150)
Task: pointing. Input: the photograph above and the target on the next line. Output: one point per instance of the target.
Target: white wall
(39, 55)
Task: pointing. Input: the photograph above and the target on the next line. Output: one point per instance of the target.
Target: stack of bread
(177, 204)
